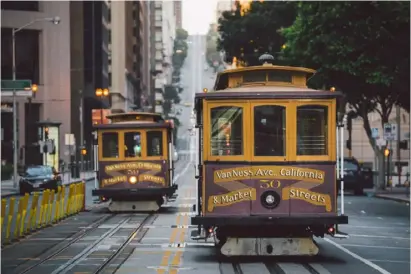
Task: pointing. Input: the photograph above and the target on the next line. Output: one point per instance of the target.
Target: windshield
(348, 165)
(38, 171)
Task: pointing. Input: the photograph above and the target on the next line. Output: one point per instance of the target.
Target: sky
(198, 14)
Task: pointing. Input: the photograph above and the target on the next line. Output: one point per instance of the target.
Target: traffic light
(34, 87)
(387, 152)
(83, 151)
(46, 133)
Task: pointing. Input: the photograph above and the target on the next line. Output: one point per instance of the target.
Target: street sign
(374, 133)
(22, 88)
(394, 132)
(381, 143)
(69, 140)
(390, 132)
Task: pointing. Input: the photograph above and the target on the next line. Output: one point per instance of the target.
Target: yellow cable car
(135, 164)
(267, 172)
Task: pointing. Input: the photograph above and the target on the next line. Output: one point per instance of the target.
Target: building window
(132, 144)
(154, 143)
(27, 54)
(312, 129)
(226, 131)
(110, 145)
(20, 5)
(269, 131)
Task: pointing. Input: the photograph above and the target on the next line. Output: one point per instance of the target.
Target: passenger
(137, 146)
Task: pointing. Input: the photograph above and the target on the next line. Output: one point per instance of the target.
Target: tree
(181, 34)
(212, 54)
(362, 48)
(257, 32)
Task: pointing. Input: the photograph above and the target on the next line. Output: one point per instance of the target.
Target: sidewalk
(399, 194)
(8, 190)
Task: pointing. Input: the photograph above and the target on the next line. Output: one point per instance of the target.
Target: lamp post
(102, 93)
(54, 20)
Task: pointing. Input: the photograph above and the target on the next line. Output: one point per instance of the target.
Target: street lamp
(55, 21)
(100, 92)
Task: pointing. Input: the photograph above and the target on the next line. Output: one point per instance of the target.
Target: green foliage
(212, 54)
(257, 32)
(181, 34)
(6, 172)
(360, 47)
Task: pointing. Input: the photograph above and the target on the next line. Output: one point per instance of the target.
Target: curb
(396, 199)
(18, 194)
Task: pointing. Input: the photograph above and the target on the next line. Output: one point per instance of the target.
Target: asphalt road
(379, 231)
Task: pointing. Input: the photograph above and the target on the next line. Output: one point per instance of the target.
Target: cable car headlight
(270, 199)
(132, 179)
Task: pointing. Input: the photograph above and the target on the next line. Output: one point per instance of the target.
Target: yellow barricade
(58, 200)
(43, 208)
(78, 198)
(3, 211)
(51, 206)
(10, 218)
(62, 202)
(68, 205)
(23, 214)
(33, 213)
(18, 219)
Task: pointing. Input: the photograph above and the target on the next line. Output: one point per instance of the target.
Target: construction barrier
(21, 216)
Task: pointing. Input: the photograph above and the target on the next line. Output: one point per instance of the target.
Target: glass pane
(132, 144)
(110, 145)
(226, 131)
(269, 131)
(312, 130)
(154, 143)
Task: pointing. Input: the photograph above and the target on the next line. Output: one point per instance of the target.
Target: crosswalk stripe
(320, 269)
(291, 268)
(253, 268)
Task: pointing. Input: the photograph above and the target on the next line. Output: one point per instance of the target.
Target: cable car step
(196, 235)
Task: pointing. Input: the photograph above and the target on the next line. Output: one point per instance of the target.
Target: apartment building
(361, 147)
(164, 48)
(178, 13)
(42, 56)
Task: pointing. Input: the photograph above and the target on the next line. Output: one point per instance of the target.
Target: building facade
(361, 148)
(178, 13)
(42, 56)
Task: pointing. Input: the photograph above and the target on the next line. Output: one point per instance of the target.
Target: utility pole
(399, 167)
(13, 31)
(81, 107)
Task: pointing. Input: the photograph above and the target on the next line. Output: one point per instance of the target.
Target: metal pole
(342, 163)
(399, 167)
(81, 129)
(13, 37)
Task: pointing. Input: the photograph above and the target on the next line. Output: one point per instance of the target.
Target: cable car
(135, 161)
(267, 162)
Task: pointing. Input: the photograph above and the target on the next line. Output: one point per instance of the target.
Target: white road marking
(365, 261)
(291, 268)
(320, 269)
(381, 237)
(376, 246)
(390, 261)
(252, 268)
(363, 212)
(376, 227)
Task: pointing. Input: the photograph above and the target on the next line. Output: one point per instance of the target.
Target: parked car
(176, 156)
(38, 177)
(356, 178)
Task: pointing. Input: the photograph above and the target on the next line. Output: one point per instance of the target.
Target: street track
(125, 221)
(269, 267)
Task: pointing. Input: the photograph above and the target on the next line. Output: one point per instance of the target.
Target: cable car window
(226, 131)
(110, 144)
(312, 129)
(269, 130)
(132, 144)
(154, 143)
(254, 76)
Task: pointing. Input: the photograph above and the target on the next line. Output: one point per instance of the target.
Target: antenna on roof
(266, 59)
